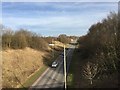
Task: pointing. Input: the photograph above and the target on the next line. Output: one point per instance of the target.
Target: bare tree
(7, 38)
(90, 70)
(19, 40)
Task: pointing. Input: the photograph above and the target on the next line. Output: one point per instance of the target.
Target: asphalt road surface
(54, 77)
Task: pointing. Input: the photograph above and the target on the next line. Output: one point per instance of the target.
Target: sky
(60, 0)
(54, 18)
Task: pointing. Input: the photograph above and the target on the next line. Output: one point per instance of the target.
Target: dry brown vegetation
(24, 52)
(18, 65)
(0, 70)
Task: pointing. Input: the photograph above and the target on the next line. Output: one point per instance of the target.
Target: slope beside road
(54, 77)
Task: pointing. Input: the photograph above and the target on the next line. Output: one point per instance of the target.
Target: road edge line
(40, 77)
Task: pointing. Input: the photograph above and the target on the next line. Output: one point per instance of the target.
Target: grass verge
(34, 77)
(38, 73)
(71, 73)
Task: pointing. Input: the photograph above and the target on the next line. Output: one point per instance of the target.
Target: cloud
(71, 18)
(55, 21)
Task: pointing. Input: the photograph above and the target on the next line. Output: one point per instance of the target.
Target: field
(19, 65)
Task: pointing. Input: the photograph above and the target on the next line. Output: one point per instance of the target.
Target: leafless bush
(90, 70)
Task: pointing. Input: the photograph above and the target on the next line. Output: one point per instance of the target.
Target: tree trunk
(9, 45)
(91, 82)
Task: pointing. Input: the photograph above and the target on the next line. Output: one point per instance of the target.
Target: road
(54, 77)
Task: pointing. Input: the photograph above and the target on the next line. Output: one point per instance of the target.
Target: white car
(54, 64)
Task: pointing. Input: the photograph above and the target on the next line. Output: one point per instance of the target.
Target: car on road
(54, 64)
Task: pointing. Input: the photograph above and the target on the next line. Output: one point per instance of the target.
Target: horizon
(55, 18)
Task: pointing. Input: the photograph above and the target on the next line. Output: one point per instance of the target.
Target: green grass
(71, 73)
(34, 77)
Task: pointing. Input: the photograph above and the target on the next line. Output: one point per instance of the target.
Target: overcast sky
(54, 18)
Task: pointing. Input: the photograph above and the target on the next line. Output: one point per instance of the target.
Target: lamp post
(64, 65)
(65, 68)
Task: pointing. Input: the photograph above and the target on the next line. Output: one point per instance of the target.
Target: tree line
(101, 45)
(23, 38)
